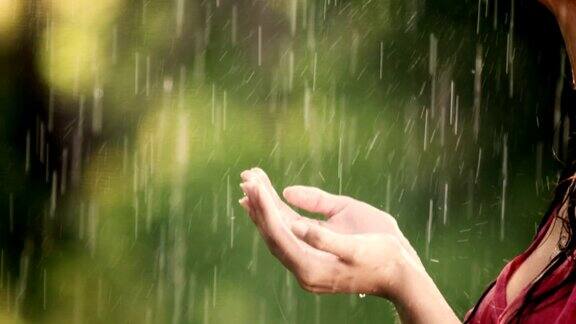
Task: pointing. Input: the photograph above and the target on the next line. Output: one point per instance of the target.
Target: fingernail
(243, 203)
(248, 187)
(288, 191)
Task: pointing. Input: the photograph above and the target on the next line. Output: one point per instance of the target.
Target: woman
(360, 249)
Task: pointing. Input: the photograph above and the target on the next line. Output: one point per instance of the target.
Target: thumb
(315, 200)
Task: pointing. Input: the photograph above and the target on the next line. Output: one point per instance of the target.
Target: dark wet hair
(565, 195)
(564, 198)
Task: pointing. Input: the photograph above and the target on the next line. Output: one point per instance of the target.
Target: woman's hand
(346, 215)
(358, 249)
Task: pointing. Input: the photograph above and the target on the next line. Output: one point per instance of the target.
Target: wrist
(418, 299)
(410, 278)
(400, 270)
(413, 292)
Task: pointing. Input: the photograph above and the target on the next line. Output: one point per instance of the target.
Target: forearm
(418, 300)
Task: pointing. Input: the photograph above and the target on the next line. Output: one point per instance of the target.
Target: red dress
(558, 308)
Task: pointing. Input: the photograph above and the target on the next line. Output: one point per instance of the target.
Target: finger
(320, 256)
(257, 174)
(315, 200)
(254, 209)
(254, 216)
(326, 240)
(245, 203)
(312, 259)
(283, 242)
(245, 175)
(255, 213)
(261, 176)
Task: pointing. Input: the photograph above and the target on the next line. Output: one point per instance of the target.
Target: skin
(360, 249)
(535, 263)
(357, 249)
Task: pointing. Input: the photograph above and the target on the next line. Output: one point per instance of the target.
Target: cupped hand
(357, 249)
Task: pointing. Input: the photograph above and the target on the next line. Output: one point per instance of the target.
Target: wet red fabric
(559, 308)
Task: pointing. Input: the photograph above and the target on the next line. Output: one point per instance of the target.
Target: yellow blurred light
(74, 42)
(169, 135)
(182, 142)
(71, 56)
(85, 12)
(10, 11)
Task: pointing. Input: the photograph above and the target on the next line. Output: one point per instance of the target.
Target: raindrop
(259, 45)
(27, 159)
(445, 209)
(381, 59)
(10, 213)
(147, 89)
(53, 194)
(477, 90)
(504, 185)
(429, 228)
(44, 288)
(214, 286)
(114, 44)
(136, 72)
(97, 94)
(179, 17)
(234, 25)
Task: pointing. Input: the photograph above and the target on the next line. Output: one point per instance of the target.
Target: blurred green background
(124, 125)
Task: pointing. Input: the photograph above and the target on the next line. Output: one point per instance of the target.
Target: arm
(422, 302)
(358, 249)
